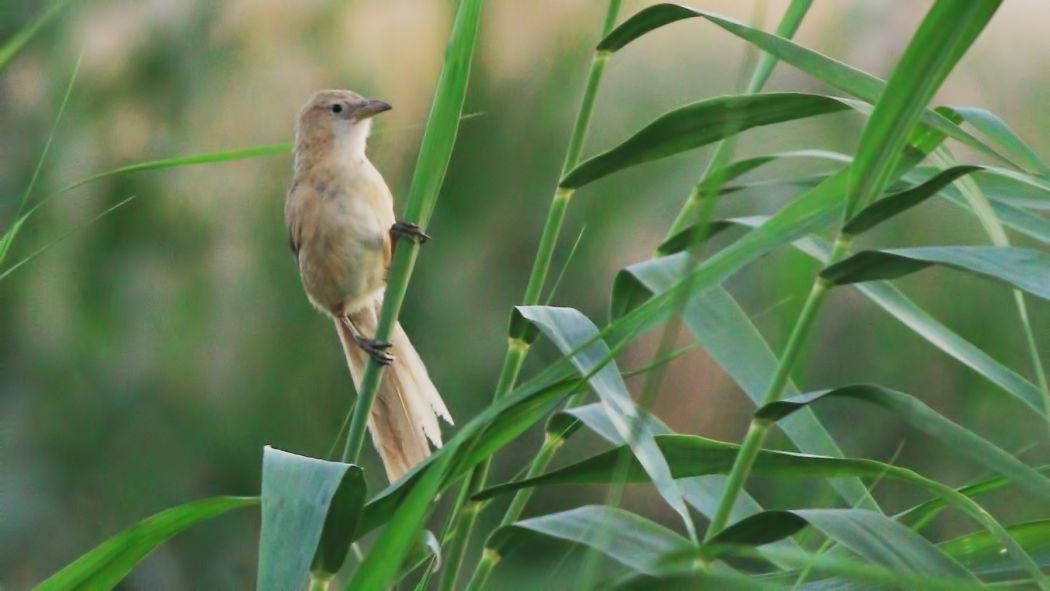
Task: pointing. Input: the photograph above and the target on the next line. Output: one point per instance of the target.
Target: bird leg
(376, 349)
(408, 230)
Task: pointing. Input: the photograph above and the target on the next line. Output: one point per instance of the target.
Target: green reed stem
(518, 342)
(759, 429)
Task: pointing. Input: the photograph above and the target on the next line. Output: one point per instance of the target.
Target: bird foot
(376, 349)
(410, 231)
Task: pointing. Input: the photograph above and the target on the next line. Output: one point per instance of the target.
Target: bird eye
(337, 108)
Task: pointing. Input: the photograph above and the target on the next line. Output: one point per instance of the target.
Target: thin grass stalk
(997, 234)
(759, 429)
(942, 38)
(723, 151)
(428, 176)
(517, 342)
(722, 155)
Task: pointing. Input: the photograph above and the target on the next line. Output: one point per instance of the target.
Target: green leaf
(723, 328)
(381, 566)
(10, 48)
(874, 537)
(699, 124)
(310, 510)
(576, 336)
(834, 73)
(108, 564)
(1023, 268)
(891, 205)
(702, 492)
(992, 126)
(894, 302)
(981, 551)
(692, 455)
(920, 416)
(621, 535)
(943, 37)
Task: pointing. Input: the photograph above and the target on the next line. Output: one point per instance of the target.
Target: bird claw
(376, 350)
(410, 231)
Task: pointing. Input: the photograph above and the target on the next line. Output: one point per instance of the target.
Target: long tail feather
(407, 406)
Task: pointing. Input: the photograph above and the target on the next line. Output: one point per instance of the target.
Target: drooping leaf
(301, 498)
(874, 537)
(692, 455)
(983, 553)
(722, 327)
(892, 205)
(841, 76)
(992, 126)
(625, 537)
(920, 416)
(1023, 268)
(107, 565)
(699, 124)
(571, 332)
(702, 492)
(943, 37)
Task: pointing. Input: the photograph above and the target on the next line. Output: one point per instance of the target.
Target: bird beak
(370, 109)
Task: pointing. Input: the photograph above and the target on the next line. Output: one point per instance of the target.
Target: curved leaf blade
(832, 72)
(108, 564)
(301, 498)
(875, 537)
(699, 124)
(574, 334)
(1023, 268)
(892, 205)
(920, 416)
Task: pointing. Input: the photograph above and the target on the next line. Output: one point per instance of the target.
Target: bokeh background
(146, 360)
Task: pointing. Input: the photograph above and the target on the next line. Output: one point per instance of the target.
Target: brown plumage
(339, 214)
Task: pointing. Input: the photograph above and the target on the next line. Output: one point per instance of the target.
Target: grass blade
(920, 416)
(1023, 268)
(310, 510)
(571, 332)
(108, 564)
(19, 40)
(699, 124)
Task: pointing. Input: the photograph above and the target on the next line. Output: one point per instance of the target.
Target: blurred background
(148, 358)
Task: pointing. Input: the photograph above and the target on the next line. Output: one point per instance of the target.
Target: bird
(342, 230)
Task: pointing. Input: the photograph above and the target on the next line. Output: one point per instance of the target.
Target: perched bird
(342, 229)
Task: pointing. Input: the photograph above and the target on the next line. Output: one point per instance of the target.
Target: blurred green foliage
(147, 360)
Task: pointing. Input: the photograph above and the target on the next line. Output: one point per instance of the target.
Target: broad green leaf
(381, 566)
(981, 551)
(699, 124)
(943, 37)
(920, 515)
(702, 492)
(722, 327)
(992, 126)
(920, 416)
(1023, 268)
(692, 455)
(301, 498)
(834, 73)
(723, 581)
(621, 535)
(10, 48)
(1013, 217)
(893, 301)
(576, 336)
(896, 203)
(107, 565)
(874, 537)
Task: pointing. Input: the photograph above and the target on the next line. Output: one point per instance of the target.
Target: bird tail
(406, 408)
